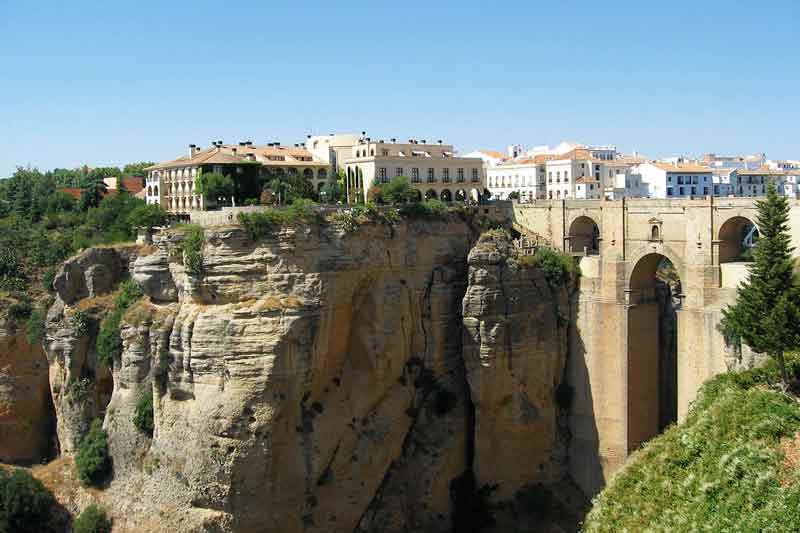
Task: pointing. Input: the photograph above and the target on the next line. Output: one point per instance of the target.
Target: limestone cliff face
(303, 382)
(515, 331)
(26, 412)
(315, 380)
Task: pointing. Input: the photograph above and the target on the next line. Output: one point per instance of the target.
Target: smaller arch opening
(430, 194)
(655, 233)
(584, 236)
(446, 196)
(737, 237)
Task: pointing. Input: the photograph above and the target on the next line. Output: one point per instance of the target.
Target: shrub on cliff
(129, 294)
(93, 519)
(143, 414)
(35, 327)
(192, 247)
(428, 210)
(92, 460)
(24, 503)
(728, 467)
(109, 341)
(261, 224)
(558, 268)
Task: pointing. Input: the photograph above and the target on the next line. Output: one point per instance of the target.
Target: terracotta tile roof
(689, 168)
(237, 154)
(132, 184)
(763, 171)
(494, 153)
(577, 153)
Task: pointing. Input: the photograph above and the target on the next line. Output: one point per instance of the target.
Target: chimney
(411, 141)
(192, 148)
(424, 141)
(219, 143)
(308, 136)
(368, 139)
(439, 141)
(242, 143)
(233, 150)
(249, 143)
(363, 133)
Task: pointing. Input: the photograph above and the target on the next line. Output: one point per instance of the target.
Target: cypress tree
(766, 315)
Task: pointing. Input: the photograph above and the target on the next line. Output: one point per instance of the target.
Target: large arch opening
(655, 298)
(736, 239)
(584, 236)
(446, 196)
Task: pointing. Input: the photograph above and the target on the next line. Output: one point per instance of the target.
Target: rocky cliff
(318, 380)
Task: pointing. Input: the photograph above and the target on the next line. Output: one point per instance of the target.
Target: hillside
(730, 466)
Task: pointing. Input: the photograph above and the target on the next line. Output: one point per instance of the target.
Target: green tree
(93, 191)
(147, 216)
(143, 415)
(767, 309)
(137, 169)
(213, 185)
(92, 460)
(24, 503)
(398, 191)
(93, 519)
(332, 192)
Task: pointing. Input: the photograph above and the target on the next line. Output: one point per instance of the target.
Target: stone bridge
(631, 375)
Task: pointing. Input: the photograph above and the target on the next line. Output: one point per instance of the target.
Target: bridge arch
(584, 234)
(736, 236)
(652, 365)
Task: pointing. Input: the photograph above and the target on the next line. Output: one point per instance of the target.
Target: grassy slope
(728, 467)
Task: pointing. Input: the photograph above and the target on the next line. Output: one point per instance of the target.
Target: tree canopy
(767, 309)
(213, 185)
(398, 191)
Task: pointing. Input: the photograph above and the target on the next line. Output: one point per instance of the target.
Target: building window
(460, 175)
(415, 175)
(431, 178)
(398, 171)
(680, 191)
(382, 175)
(669, 191)
(475, 175)
(446, 175)
(385, 153)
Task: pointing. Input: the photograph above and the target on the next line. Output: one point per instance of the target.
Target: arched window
(322, 174)
(655, 233)
(308, 173)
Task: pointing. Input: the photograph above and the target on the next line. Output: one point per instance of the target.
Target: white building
(734, 161)
(668, 180)
(525, 176)
(490, 158)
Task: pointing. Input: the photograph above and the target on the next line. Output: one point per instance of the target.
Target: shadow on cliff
(584, 461)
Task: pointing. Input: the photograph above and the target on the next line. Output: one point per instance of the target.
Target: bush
(93, 519)
(428, 210)
(143, 415)
(722, 469)
(24, 503)
(130, 292)
(35, 327)
(92, 460)
(80, 323)
(48, 277)
(263, 223)
(192, 247)
(20, 310)
(397, 191)
(557, 267)
(147, 216)
(109, 341)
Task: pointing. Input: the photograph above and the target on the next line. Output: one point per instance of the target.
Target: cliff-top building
(172, 183)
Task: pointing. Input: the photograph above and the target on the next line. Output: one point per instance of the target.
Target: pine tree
(766, 315)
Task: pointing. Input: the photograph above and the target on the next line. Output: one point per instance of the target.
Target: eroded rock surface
(26, 412)
(316, 380)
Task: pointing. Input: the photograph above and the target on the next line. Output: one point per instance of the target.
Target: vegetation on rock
(35, 327)
(728, 467)
(92, 460)
(263, 223)
(109, 340)
(143, 414)
(93, 519)
(192, 247)
(558, 268)
(767, 309)
(24, 503)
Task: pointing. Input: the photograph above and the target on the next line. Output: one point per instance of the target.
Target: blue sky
(111, 82)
